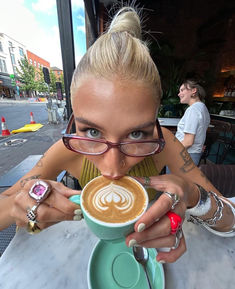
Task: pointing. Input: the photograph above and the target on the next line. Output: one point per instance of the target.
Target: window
(21, 51)
(10, 43)
(30, 61)
(3, 67)
(13, 59)
(58, 72)
(38, 65)
(15, 70)
(1, 49)
(35, 63)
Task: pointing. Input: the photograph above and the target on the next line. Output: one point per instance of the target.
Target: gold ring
(146, 181)
(32, 228)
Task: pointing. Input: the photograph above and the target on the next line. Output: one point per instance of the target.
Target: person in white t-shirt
(191, 129)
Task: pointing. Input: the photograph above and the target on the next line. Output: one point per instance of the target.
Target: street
(17, 115)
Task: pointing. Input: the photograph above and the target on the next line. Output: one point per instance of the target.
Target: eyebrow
(92, 124)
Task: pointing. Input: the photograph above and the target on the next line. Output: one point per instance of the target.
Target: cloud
(45, 6)
(24, 28)
(78, 4)
(82, 26)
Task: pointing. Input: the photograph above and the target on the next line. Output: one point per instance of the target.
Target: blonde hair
(119, 52)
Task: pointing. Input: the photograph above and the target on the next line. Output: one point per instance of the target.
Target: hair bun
(126, 20)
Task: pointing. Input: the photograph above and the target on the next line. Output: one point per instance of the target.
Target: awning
(5, 80)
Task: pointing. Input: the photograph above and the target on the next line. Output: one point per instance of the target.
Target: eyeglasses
(88, 146)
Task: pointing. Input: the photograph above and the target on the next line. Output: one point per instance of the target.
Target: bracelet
(228, 234)
(217, 215)
(204, 204)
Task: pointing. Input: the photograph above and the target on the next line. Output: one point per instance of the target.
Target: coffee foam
(114, 201)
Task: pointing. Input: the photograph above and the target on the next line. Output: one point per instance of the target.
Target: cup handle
(75, 199)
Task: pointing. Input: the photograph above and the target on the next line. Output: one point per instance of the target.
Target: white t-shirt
(195, 120)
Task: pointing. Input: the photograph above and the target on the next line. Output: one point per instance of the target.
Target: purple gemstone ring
(39, 191)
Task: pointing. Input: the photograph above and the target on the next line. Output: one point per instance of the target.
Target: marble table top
(57, 258)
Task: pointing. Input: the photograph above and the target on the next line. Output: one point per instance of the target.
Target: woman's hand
(153, 229)
(55, 208)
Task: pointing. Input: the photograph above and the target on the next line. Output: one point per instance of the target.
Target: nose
(113, 164)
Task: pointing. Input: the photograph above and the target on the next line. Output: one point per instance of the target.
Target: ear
(194, 90)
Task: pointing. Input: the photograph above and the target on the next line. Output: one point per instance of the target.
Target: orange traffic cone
(32, 121)
(5, 130)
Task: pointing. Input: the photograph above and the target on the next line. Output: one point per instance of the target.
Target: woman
(115, 94)
(191, 129)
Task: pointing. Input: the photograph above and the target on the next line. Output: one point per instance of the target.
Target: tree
(26, 75)
(53, 81)
(41, 85)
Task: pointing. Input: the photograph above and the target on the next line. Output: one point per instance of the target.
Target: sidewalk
(26, 100)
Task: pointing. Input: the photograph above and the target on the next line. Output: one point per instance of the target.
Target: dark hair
(191, 83)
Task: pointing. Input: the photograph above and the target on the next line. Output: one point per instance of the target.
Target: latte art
(113, 196)
(114, 201)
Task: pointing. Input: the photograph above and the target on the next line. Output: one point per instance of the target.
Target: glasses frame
(66, 137)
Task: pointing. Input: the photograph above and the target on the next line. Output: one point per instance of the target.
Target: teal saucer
(113, 266)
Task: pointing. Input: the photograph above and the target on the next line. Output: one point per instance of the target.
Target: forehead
(106, 98)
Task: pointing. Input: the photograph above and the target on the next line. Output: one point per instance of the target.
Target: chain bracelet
(217, 215)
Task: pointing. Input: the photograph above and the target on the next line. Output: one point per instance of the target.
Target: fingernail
(77, 212)
(132, 243)
(162, 262)
(75, 199)
(77, 217)
(141, 227)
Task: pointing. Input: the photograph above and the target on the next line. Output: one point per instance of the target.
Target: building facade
(11, 52)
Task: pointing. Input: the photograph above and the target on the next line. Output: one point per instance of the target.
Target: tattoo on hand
(24, 181)
(188, 163)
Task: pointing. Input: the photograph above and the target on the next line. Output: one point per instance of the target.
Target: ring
(39, 191)
(32, 213)
(175, 199)
(32, 228)
(178, 237)
(146, 181)
(176, 222)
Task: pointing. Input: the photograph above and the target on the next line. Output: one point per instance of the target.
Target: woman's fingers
(174, 254)
(57, 207)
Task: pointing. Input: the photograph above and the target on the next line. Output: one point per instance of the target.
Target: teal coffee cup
(111, 207)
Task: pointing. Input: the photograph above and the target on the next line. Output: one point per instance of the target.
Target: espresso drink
(114, 201)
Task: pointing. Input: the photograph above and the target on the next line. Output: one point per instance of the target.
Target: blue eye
(136, 135)
(93, 133)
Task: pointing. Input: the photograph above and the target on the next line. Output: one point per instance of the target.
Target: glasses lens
(139, 149)
(86, 146)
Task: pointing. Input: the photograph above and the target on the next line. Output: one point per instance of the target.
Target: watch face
(39, 191)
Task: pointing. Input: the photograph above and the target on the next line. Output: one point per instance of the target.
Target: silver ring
(175, 199)
(178, 237)
(147, 181)
(32, 213)
(39, 191)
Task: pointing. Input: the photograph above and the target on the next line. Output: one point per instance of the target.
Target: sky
(34, 23)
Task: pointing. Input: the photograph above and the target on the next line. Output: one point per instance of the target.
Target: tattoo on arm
(188, 163)
(24, 181)
(40, 162)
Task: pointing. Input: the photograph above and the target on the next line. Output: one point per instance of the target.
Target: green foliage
(53, 81)
(26, 75)
(41, 85)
